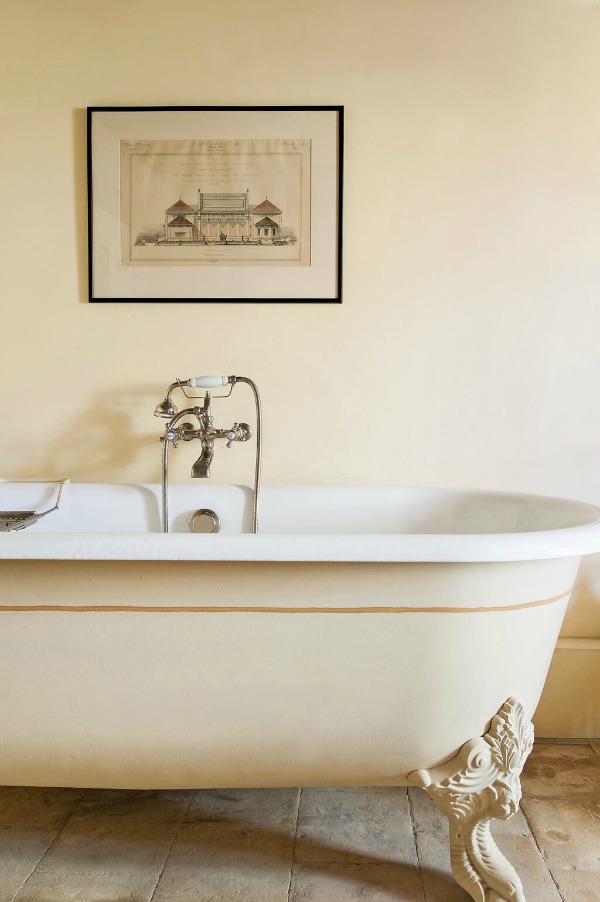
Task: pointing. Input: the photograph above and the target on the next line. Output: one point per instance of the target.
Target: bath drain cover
(204, 520)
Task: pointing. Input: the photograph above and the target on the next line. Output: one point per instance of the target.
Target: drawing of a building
(180, 223)
(267, 221)
(223, 217)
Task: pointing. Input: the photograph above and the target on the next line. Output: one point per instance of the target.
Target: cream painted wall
(466, 352)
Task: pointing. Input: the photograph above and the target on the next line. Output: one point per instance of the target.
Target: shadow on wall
(80, 187)
(94, 444)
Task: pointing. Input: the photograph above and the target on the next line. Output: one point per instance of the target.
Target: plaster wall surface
(465, 352)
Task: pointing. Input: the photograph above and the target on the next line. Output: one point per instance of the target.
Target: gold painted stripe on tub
(250, 609)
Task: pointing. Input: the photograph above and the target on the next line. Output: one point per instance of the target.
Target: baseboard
(570, 703)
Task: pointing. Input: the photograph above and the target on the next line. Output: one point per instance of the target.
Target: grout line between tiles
(541, 851)
(416, 843)
(289, 889)
(557, 740)
(173, 841)
(51, 846)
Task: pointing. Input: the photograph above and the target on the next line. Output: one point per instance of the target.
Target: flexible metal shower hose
(258, 448)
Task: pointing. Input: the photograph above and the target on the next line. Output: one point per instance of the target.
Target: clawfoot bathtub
(365, 637)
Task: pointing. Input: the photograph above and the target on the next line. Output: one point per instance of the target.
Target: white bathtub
(362, 638)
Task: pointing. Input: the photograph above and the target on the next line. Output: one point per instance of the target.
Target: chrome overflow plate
(204, 521)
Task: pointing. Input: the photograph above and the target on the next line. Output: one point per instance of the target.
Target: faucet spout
(201, 468)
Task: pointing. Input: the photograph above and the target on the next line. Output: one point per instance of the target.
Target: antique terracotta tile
(227, 862)
(567, 831)
(367, 826)
(560, 770)
(21, 848)
(577, 886)
(270, 806)
(30, 806)
(348, 882)
(113, 847)
(30, 820)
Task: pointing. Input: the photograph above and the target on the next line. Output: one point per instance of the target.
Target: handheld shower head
(165, 409)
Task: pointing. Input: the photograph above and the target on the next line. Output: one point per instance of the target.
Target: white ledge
(301, 547)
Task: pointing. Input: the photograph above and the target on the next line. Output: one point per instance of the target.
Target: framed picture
(219, 204)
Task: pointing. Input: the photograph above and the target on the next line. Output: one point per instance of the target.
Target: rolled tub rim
(289, 547)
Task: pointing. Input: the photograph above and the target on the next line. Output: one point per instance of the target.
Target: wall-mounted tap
(205, 431)
(178, 429)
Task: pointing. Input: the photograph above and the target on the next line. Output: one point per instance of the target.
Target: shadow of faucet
(107, 441)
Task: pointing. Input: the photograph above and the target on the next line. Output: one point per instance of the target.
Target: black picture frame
(221, 242)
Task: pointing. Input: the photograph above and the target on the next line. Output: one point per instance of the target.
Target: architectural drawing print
(224, 218)
(228, 202)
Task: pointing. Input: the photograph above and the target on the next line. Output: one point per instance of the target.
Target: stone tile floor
(293, 845)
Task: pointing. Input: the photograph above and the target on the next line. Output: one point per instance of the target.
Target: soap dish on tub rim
(13, 520)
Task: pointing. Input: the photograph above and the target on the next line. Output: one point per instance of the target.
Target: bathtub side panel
(278, 676)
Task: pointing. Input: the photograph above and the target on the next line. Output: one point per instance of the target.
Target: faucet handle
(240, 432)
(208, 381)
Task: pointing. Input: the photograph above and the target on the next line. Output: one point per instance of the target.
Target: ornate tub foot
(479, 784)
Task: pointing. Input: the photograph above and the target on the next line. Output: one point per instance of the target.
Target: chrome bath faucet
(180, 430)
